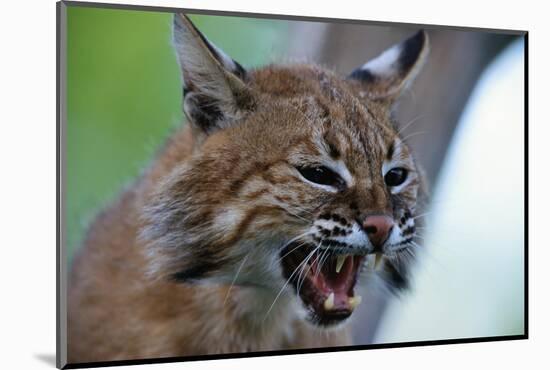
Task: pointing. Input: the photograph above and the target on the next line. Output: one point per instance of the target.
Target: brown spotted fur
(123, 303)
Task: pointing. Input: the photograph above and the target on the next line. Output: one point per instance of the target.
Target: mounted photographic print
(254, 184)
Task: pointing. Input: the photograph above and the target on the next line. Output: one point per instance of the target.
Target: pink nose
(378, 229)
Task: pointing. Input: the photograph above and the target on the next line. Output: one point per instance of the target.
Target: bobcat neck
(256, 309)
(143, 317)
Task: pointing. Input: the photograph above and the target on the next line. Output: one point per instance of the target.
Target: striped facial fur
(298, 180)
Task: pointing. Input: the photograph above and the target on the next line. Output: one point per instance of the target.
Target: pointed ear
(214, 85)
(387, 75)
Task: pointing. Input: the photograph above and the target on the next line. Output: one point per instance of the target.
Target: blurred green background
(124, 95)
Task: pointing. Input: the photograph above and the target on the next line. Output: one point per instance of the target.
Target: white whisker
(286, 283)
(299, 285)
(421, 215)
(235, 278)
(408, 124)
(414, 134)
(297, 216)
(291, 241)
(323, 260)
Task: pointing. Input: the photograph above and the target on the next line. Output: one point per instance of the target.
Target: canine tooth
(329, 302)
(354, 301)
(377, 260)
(340, 262)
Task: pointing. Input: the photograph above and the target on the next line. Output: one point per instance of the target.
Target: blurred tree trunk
(435, 101)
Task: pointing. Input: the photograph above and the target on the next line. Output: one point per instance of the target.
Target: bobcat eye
(396, 176)
(321, 175)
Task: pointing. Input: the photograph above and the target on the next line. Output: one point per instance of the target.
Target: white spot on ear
(384, 64)
(388, 74)
(226, 61)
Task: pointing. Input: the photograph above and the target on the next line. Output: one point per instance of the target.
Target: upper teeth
(340, 262)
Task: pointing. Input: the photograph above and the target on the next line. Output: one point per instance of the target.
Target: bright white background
(468, 281)
(27, 186)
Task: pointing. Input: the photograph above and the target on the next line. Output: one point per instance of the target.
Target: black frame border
(291, 352)
(60, 170)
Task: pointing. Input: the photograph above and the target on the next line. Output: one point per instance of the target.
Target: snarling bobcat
(250, 229)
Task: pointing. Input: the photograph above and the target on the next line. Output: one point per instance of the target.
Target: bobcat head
(298, 177)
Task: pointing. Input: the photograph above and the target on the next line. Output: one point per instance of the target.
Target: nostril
(371, 229)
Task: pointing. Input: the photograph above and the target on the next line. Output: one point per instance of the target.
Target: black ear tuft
(412, 47)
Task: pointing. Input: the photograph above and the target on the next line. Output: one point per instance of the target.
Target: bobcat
(250, 229)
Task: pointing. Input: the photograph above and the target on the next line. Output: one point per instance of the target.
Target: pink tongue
(339, 282)
(328, 280)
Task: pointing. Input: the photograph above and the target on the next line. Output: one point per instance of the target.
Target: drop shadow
(47, 358)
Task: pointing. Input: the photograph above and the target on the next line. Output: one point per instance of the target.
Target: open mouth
(324, 279)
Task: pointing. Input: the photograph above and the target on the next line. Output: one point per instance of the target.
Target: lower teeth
(329, 302)
(354, 301)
